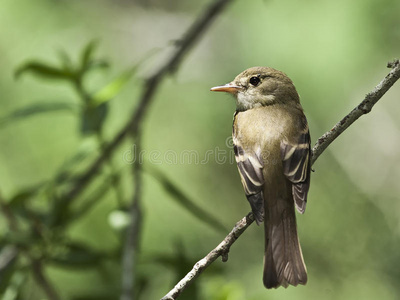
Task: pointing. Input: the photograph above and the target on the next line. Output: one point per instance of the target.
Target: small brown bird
(272, 148)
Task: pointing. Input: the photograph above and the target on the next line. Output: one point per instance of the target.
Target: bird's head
(260, 86)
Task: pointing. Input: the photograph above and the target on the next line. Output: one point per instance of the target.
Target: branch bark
(322, 143)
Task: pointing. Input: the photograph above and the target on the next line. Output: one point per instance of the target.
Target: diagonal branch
(363, 108)
(323, 142)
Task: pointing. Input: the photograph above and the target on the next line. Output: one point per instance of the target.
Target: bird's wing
(296, 162)
(250, 169)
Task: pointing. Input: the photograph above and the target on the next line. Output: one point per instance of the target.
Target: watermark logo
(189, 156)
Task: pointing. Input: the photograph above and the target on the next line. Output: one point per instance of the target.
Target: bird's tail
(283, 260)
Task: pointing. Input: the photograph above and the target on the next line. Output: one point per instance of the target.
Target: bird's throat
(245, 101)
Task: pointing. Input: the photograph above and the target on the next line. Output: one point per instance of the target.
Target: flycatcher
(272, 149)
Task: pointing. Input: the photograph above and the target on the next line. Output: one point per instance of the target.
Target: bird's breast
(261, 129)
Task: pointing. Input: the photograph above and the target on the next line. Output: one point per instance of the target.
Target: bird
(271, 142)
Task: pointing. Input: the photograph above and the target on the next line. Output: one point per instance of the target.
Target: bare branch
(323, 142)
(363, 108)
(221, 250)
(129, 256)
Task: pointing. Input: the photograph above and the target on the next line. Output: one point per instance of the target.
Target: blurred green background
(52, 128)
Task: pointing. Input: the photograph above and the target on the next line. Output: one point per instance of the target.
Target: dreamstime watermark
(171, 157)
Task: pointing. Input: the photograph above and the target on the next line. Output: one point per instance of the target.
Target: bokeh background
(334, 51)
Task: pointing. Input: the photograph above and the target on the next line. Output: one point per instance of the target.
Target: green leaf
(88, 62)
(23, 195)
(8, 257)
(17, 204)
(87, 53)
(13, 289)
(181, 198)
(84, 150)
(77, 255)
(93, 118)
(113, 88)
(36, 109)
(98, 64)
(44, 70)
(66, 61)
(21, 239)
(93, 199)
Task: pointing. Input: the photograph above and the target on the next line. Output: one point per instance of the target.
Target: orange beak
(229, 88)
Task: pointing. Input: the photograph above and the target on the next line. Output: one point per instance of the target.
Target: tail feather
(283, 259)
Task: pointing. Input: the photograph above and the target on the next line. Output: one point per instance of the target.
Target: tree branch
(322, 143)
(132, 236)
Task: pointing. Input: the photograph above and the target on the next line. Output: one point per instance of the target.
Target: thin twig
(42, 281)
(363, 108)
(323, 142)
(6, 211)
(129, 256)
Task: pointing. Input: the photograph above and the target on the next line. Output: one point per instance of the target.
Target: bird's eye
(255, 80)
